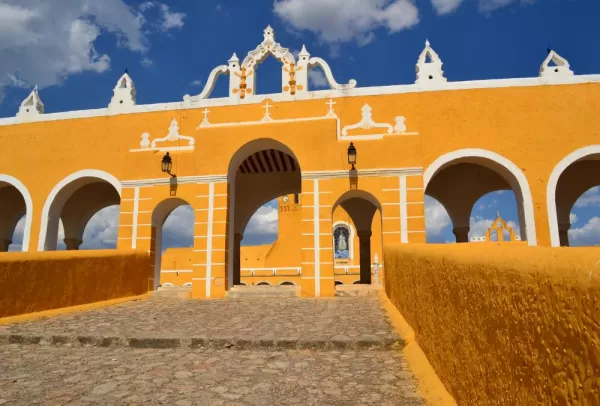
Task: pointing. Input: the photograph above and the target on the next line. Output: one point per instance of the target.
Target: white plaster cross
(205, 122)
(267, 116)
(331, 113)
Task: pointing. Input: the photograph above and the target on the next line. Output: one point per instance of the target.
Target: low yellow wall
(33, 282)
(503, 324)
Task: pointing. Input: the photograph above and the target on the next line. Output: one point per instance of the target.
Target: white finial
(429, 72)
(498, 213)
(124, 95)
(269, 34)
(234, 58)
(561, 67)
(304, 52)
(31, 106)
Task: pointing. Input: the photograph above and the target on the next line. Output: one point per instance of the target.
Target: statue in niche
(341, 237)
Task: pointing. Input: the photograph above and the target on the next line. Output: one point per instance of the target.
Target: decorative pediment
(294, 74)
(146, 144)
(555, 66)
(367, 123)
(429, 67)
(32, 106)
(124, 95)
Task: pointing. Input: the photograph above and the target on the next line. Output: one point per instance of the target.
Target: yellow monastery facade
(454, 141)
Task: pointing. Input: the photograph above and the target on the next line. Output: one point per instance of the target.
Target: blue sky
(75, 50)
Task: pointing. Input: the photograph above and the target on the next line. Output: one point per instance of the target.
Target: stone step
(241, 291)
(357, 290)
(172, 292)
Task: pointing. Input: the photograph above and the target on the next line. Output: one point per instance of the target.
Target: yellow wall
(33, 282)
(503, 324)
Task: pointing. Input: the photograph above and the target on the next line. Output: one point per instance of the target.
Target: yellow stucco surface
(34, 282)
(503, 324)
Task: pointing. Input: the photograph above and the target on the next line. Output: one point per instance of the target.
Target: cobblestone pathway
(333, 352)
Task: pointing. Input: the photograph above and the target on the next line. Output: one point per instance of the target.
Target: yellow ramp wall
(503, 325)
(33, 282)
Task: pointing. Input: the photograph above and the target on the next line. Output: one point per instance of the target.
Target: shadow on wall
(516, 324)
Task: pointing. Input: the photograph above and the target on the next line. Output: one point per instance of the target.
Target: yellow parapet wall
(33, 282)
(503, 324)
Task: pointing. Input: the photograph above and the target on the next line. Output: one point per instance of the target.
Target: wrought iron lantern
(352, 155)
(167, 164)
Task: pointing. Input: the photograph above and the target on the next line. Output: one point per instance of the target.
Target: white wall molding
(317, 95)
(17, 184)
(308, 175)
(553, 182)
(317, 238)
(463, 155)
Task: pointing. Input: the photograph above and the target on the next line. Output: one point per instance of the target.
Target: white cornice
(317, 95)
(310, 175)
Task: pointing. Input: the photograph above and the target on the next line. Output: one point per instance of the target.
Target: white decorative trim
(320, 95)
(136, 204)
(172, 136)
(31, 107)
(403, 210)
(208, 87)
(429, 73)
(351, 233)
(553, 182)
(85, 173)
(329, 75)
(367, 123)
(560, 69)
(308, 175)
(17, 184)
(124, 94)
(209, 232)
(317, 237)
(507, 165)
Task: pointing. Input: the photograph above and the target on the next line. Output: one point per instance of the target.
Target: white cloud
(436, 217)
(196, 82)
(588, 234)
(573, 218)
(178, 230)
(147, 62)
(169, 19)
(485, 6)
(43, 42)
(338, 21)
(263, 222)
(589, 198)
(317, 80)
(101, 231)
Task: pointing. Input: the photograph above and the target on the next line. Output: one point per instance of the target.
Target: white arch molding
(28, 207)
(350, 236)
(508, 167)
(553, 183)
(85, 173)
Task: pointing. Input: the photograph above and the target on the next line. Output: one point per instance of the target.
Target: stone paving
(349, 322)
(347, 356)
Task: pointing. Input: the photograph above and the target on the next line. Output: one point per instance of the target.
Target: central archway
(361, 206)
(259, 172)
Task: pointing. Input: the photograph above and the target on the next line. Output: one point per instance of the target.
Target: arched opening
(457, 180)
(263, 284)
(259, 172)
(287, 283)
(74, 201)
(173, 226)
(361, 207)
(15, 215)
(338, 283)
(574, 199)
(489, 211)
